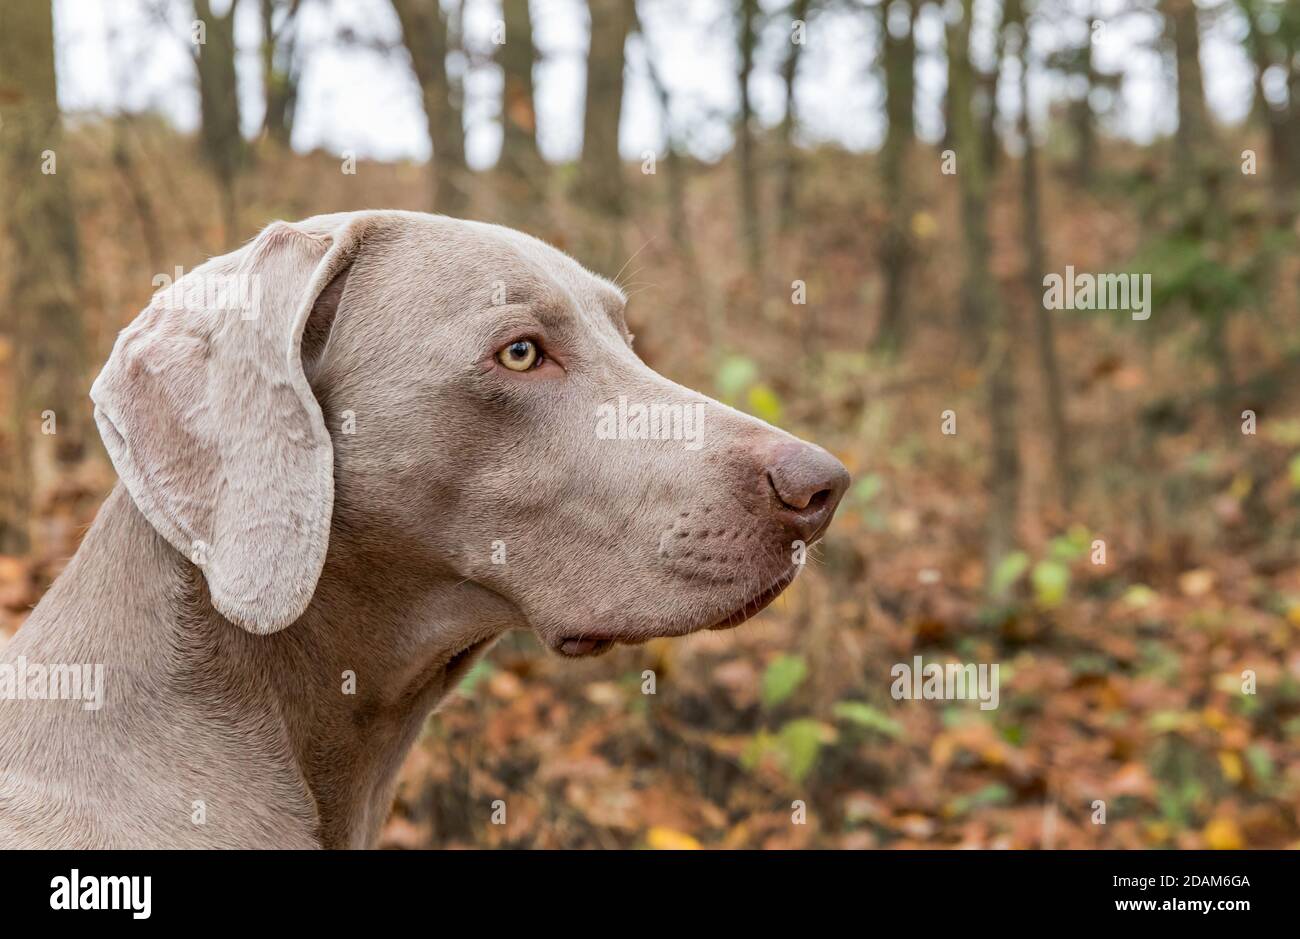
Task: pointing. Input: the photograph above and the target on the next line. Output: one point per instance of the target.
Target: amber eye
(520, 356)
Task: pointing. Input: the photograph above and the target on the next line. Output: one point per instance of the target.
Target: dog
(352, 454)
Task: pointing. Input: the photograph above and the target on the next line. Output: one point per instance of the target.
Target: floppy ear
(212, 427)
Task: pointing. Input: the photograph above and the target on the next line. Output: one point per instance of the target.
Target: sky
(358, 95)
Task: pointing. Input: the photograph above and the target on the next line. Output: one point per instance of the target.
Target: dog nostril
(800, 501)
(808, 483)
(818, 500)
(788, 497)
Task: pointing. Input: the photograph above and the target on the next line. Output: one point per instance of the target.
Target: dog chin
(592, 643)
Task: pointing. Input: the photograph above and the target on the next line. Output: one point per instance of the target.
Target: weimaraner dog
(352, 454)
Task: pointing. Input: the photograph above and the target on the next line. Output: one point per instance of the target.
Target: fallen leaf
(668, 839)
(1222, 834)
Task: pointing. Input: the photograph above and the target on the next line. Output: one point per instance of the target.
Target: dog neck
(383, 642)
(296, 736)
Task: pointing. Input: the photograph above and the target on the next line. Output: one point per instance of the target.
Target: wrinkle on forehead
(554, 283)
(478, 266)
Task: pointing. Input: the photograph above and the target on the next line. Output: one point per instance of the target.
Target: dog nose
(808, 483)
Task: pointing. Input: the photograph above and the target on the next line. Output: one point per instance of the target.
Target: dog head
(468, 397)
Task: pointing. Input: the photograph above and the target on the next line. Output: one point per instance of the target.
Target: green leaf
(1285, 431)
(1051, 580)
(1009, 570)
(763, 403)
(735, 374)
(1167, 721)
(1071, 546)
(867, 488)
(1139, 596)
(782, 678)
(992, 794)
(864, 715)
(794, 747)
(759, 746)
(800, 741)
(1293, 471)
(1261, 762)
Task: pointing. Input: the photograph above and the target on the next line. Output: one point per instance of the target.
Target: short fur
(332, 461)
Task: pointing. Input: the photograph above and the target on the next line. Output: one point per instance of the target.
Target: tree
(1183, 30)
(673, 162)
(1077, 64)
(897, 23)
(987, 88)
(751, 235)
(984, 315)
(600, 170)
(220, 135)
(799, 10)
(675, 168)
(280, 67)
(1035, 264)
(1082, 118)
(521, 162)
(1275, 50)
(44, 328)
(599, 186)
(427, 36)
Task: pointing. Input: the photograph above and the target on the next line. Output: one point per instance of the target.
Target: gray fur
(325, 552)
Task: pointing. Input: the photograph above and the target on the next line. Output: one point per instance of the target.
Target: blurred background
(837, 215)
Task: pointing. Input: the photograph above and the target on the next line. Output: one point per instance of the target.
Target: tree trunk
(675, 173)
(789, 152)
(219, 131)
(426, 34)
(751, 235)
(43, 327)
(1182, 26)
(521, 164)
(988, 86)
(1282, 170)
(280, 68)
(1291, 55)
(1036, 265)
(1081, 115)
(600, 168)
(984, 313)
(600, 188)
(896, 250)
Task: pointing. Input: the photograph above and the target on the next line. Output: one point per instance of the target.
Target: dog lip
(579, 646)
(756, 604)
(592, 644)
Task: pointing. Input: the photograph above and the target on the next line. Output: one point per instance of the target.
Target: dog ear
(207, 415)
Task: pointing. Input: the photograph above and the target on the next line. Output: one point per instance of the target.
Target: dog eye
(520, 356)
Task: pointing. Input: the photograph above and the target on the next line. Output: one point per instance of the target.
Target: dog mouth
(757, 604)
(592, 644)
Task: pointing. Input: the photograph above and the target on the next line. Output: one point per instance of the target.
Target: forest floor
(1120, 682)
